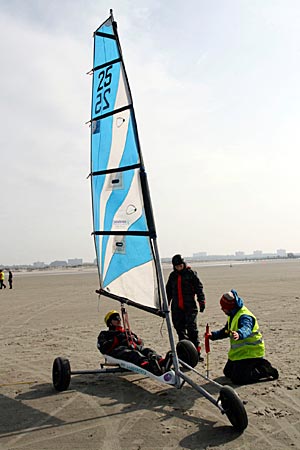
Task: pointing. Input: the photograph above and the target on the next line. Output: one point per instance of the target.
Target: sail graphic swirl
(123, 222)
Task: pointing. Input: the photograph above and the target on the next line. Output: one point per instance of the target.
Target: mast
(150, 218)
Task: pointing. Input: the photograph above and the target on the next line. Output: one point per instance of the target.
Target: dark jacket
(110, 339)
(182, 288)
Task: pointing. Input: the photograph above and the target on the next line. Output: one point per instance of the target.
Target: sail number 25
(103, 90)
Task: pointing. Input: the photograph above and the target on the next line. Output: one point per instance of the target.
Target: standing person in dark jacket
(10, 278)
(182, 287)
(120, 344)
(246, 362)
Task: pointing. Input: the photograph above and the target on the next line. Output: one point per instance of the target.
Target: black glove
(202, 307)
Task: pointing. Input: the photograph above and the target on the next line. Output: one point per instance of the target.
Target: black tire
(187, 352)
(61, 374)
(233, 408)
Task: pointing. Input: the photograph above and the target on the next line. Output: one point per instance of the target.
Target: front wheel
(187, 352)
(61, 374)
(233, 408)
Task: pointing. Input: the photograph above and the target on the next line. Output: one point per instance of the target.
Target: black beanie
(177, 259)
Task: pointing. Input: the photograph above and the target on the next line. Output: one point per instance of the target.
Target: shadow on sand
(130, 397)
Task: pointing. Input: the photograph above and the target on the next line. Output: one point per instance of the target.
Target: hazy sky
(216, 91)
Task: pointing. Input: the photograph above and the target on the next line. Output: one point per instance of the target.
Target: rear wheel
(61, 374)
(187, 352)
(233, 408)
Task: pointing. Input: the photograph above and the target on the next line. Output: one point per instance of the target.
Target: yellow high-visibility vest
(251, 347)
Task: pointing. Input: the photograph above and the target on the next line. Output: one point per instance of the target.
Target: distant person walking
(183, 287)
(2, 278)
(10, 279)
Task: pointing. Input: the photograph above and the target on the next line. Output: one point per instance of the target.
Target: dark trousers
(2, 285)
(246, 371)
(185, 324)
(136, 357)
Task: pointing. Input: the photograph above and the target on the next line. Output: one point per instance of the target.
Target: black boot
(154, 367)
(166, 363)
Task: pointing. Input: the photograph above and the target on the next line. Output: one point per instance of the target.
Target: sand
(58, 314)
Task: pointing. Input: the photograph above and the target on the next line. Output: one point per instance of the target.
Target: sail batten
(123, 224)
(108, 63)
(105, 35)
(121, 233)
(111, 113)
(117, 169)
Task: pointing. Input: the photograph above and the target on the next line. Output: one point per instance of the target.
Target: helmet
(177, 259)
(107, 318)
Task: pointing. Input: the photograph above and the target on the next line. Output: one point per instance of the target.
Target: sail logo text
(120, 222)
(103, 90)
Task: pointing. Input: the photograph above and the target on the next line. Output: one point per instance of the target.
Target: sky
(216, 92)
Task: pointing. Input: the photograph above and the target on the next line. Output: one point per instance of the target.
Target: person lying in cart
(121, 344)
(246, 362)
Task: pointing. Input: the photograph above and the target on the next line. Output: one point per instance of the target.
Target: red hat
(227, 301)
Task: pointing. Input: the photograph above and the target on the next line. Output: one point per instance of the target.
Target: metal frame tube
(167, 313)
(201, 390)
(93, 371)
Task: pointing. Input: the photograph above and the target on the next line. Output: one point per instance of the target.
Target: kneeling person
(114, 342)
(246, 362)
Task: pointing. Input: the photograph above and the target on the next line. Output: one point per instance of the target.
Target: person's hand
(202, 307)
(235, 335)
(209, 335)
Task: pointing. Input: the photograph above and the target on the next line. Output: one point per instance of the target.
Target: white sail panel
(143, 290)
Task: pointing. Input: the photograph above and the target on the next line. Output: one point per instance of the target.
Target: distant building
(240, 254)
(200, 255)
(58, 264)
(75, 262)
(257, 253)
(39, 265)
(281, 252)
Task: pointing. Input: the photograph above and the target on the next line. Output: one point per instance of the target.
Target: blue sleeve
(246, 324)
(220, 334)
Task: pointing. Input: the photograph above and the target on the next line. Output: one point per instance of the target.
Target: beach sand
(47, 315)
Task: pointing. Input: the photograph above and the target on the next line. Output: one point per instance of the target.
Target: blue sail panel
(122, 238)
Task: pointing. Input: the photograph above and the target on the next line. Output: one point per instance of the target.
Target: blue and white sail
(124, 229)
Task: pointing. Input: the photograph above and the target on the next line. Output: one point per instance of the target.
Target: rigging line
(126, 326)
(118, 169)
